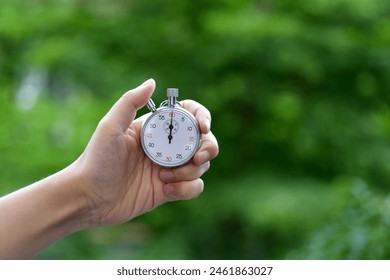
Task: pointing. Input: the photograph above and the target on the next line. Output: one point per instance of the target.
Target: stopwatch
(170, 135)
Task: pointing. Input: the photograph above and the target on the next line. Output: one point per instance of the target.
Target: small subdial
(171, 126)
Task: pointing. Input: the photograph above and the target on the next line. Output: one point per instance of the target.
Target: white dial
(170, 136)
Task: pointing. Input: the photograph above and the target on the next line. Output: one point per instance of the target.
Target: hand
(110, 183)
(119, 182)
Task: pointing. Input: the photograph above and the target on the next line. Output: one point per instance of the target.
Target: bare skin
(110, 183)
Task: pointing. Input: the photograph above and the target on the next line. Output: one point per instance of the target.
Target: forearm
(118, 182)
(38, 215)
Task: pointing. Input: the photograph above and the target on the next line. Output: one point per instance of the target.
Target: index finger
(201, 113)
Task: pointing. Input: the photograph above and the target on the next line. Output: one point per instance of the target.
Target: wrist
(71, 187)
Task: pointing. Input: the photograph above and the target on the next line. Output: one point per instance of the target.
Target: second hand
(170, 129)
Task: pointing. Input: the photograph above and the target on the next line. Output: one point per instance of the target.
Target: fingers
(208, 150)
(200, 164)
(183, 182)
(201, 114)
(184, 190)
(124, 110)
(187, 172)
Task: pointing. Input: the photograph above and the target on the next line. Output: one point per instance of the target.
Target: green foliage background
(298, 90)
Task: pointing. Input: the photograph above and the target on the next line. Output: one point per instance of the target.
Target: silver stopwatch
(170, 135)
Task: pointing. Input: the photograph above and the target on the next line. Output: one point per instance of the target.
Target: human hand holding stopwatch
(113, 180)
(131, 167)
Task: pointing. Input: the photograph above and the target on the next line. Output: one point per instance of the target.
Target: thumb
(124, 110)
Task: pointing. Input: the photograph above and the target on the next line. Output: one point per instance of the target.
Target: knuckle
(207, 166)
(173, 177)
(194, 190)
(200, 187)
(200, 184)
(203, 168)
(216, 150)
(214, 147)
(211, 145)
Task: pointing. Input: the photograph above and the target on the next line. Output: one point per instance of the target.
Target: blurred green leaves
(296, 89)
(362, 232)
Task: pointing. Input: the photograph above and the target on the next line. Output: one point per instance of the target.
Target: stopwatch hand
(170, 130)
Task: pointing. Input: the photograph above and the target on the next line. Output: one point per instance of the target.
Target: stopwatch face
(170, 136)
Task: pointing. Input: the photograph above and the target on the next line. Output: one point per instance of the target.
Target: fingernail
(166, 175)
(146, 83)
